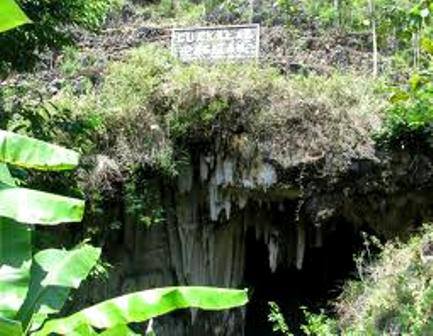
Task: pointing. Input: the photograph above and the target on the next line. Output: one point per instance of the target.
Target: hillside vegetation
(148, 103)
(337, 82)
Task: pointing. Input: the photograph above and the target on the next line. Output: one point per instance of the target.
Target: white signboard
(216, 43)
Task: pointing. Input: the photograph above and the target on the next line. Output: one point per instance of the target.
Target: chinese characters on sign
(216, 43)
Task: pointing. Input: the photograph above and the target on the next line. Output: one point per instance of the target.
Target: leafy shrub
(394, 295)
(318, 324)
(50, 29)
(314, 324)
(412, 108)
(411, 111)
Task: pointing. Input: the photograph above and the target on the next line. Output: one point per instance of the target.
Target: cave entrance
(319, 281)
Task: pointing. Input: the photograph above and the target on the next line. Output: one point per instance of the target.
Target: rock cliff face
(236, 220)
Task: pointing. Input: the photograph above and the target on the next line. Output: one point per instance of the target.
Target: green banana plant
(11, 15)
(34, 287)
(21, 206)
(116, 313)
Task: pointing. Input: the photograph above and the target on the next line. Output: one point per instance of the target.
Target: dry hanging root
(300, 225)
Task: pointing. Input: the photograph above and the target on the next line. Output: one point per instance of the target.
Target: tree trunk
(252, 5)
(338, 13)
(415, 43)
(175, 5)
(374, 36)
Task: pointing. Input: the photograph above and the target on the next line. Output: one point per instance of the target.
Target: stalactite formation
(219, 197)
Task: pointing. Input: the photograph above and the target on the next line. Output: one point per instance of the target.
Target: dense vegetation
(136, 113)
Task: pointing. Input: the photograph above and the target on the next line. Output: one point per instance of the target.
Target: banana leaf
(10, 327)
(120, 330)
(53, 273)
(141, 306)
(15, 261)
(26, 152)
(11, 15)
(84, 330)
(5, 175)
(36, 207)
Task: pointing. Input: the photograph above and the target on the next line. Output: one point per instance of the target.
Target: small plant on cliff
(279, 324)
(318, 324)
(314, 325)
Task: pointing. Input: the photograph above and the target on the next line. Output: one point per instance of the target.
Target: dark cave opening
(319, 281)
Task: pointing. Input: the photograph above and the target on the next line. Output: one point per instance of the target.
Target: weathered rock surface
(217, 199)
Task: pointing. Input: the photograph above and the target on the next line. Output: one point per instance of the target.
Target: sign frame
(216, 28)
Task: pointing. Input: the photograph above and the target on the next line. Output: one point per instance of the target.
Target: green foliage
(393, 294)
(355, 15)
(318, 324)
(411, 110)
(142, 200)
(23, 110)
(32, 209)
(120, 109)
(26, 152)
(412, 107)
(15, 261)
(180, 12)
(70, 64)
(141, 306)
(238, 11)
(53, 274)
(39, 208)
(314, 325)
(410, 113)
(199, 97)
(399, 24)
(277, 319)
(11, 15)
(19, 47)
(148, 100)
